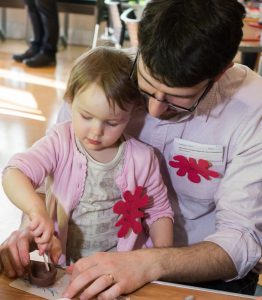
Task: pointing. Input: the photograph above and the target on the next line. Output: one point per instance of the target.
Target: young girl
(105, 188)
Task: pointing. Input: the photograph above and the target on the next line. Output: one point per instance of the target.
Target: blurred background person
(43, 15)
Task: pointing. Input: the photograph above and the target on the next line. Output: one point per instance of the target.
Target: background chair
(130, 19)
(117, 27)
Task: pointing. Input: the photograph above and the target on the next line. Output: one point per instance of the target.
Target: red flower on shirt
(130, 209)
(192, 168)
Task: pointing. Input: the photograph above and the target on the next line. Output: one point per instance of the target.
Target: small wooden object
(46, 262)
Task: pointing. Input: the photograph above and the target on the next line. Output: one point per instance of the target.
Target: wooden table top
(250, 46)
(152, 291)
(251, 36)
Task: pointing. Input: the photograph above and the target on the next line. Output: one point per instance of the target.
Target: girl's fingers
(42, 248)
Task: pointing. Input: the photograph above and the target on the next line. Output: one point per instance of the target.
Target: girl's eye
(111, 124)
(85, 117)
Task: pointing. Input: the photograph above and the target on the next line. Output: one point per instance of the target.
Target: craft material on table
(46, 261)
(41, 275)
(52, 292)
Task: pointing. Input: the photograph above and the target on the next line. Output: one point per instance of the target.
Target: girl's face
(96, 124)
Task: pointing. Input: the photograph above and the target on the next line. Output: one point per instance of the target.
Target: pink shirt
(57, 156)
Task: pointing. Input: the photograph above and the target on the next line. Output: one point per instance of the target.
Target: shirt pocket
(197, 182)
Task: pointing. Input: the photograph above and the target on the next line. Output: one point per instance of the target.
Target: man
(43, 15)
(205, 123)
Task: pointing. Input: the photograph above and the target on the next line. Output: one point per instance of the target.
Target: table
(152, 291)
(251, 32)
(250, 46)
(251, 43)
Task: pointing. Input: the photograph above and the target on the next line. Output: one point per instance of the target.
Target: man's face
(160, 97)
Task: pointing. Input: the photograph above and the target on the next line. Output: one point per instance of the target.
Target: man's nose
(156, 108)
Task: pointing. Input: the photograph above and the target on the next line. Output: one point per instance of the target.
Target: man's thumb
(70, 269)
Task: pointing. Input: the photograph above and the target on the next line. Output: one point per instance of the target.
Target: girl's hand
(42, 228)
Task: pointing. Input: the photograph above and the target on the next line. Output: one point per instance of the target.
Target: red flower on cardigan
(130, 209)
(192, 168)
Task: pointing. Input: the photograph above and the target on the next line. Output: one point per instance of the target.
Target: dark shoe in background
(41, 60)
(29, 53)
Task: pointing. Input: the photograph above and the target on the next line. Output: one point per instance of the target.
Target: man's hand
(108, 275)
(14, 252)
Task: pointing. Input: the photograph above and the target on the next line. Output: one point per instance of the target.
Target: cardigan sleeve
(159, 205)
(142, 169)
(40, 160)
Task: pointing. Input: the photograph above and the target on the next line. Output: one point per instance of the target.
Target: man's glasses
(147, 95)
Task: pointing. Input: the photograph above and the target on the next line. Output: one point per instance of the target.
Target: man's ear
(230, 65)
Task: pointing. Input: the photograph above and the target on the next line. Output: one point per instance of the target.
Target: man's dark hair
(183, 42)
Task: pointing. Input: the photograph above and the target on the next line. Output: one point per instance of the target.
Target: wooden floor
(29, 102)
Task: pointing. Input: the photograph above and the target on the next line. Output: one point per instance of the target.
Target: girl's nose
(97, 128)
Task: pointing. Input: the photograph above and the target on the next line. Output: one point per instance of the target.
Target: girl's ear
(230, 65)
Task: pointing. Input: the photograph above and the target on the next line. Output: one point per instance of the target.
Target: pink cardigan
(57, 157)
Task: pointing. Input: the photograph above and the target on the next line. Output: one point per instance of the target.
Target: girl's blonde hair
(110, 69)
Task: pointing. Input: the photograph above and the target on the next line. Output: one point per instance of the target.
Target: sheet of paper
(212, 153)
(52, 292)
(34, 255)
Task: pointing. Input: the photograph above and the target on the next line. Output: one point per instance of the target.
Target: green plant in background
(133, 2)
